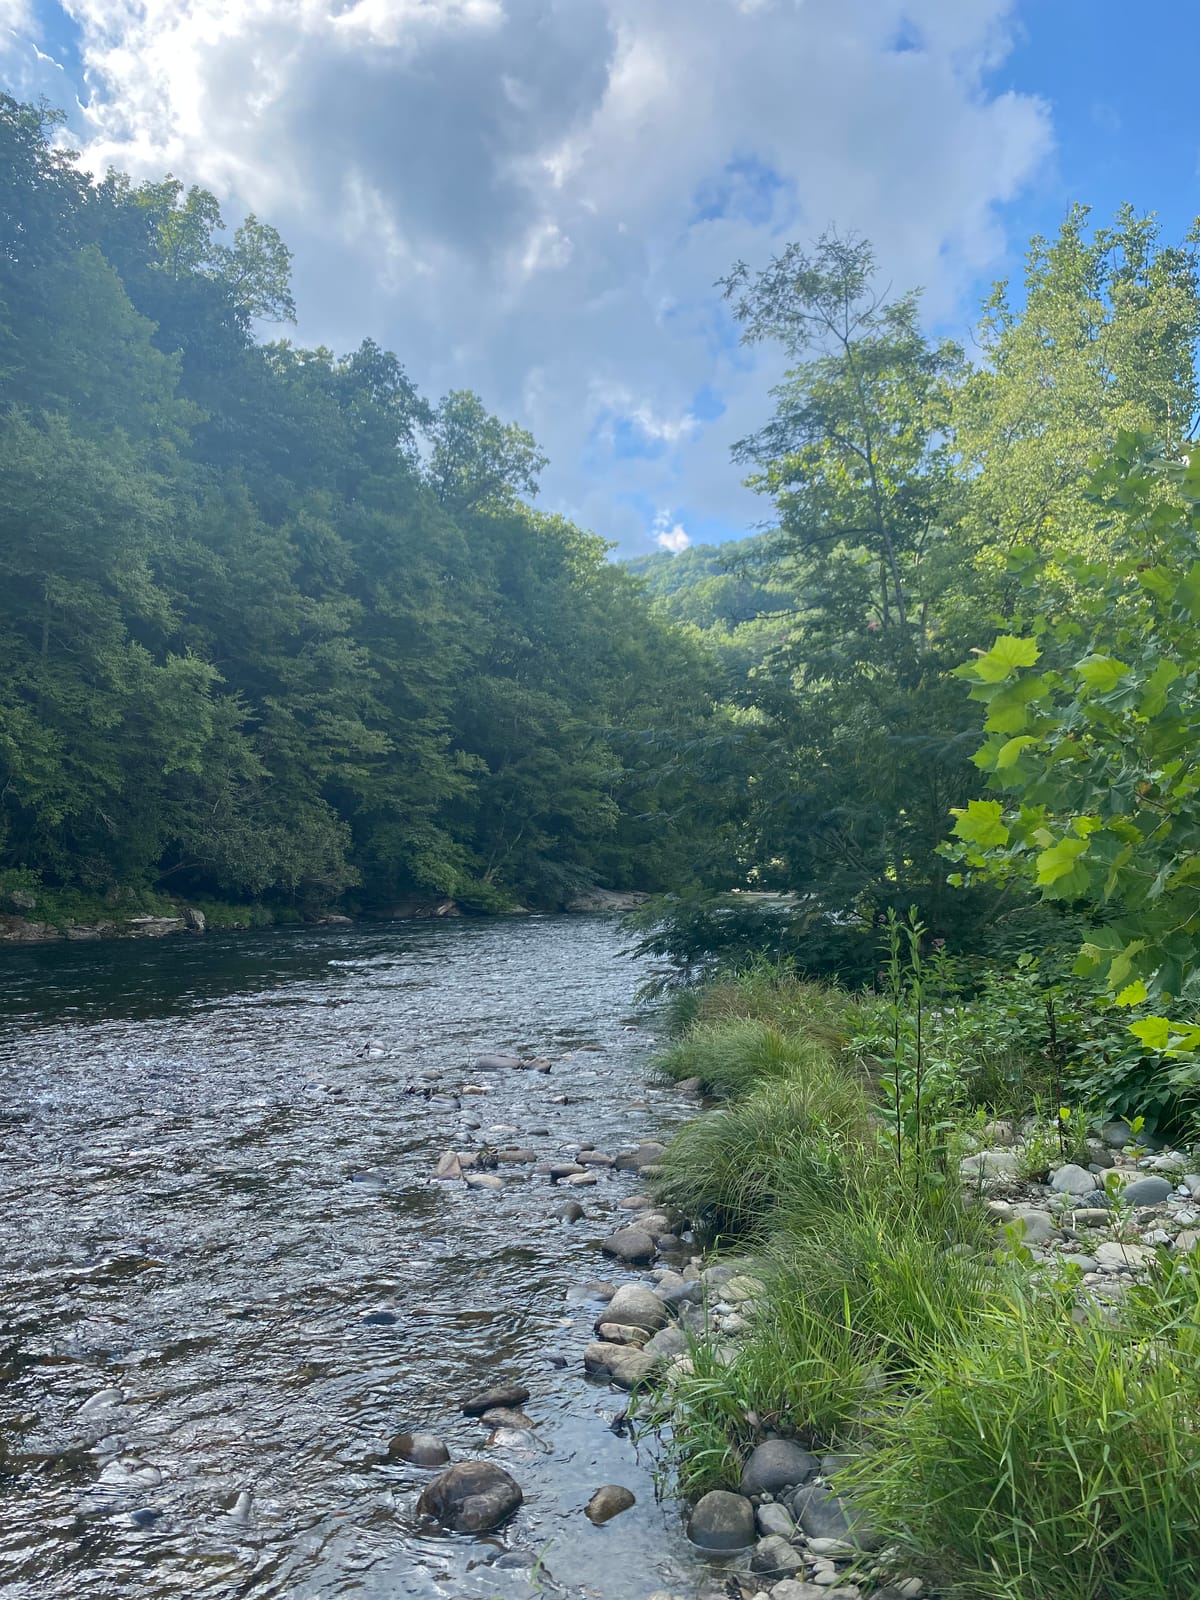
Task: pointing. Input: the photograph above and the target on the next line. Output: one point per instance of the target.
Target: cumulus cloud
(533, 198)
(674, 538)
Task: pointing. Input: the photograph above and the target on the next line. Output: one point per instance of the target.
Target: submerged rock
(421, 1449)
(472, 1497)
(505, 1394)
(608, 1502)
(722, 1521)
(624, 1364)
(497, 1063)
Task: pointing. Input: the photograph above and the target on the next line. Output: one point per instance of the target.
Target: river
(228, 1279)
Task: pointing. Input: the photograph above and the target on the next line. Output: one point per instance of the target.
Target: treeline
(924, 504)
(273, 626)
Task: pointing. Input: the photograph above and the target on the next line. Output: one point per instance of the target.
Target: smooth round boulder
(632, 1246)
(496, 1063)
(505, 1394)
(635, 1306)
(777, 1464)
(1146, 1192)
(506, 1417)
(722, 1521)
(1072, 1179)
(421, 1449)
(472, 1497)
(608, 1502)
(572, 1211)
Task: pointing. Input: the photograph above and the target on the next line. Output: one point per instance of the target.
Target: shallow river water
(226, 1279)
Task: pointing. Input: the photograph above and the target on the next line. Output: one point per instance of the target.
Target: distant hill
(716, 587)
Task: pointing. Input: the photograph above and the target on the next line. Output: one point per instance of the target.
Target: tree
(1092, 721)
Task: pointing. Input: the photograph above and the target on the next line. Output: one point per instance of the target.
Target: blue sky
(533, 198)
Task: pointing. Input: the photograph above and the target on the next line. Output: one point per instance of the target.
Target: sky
(534, 199)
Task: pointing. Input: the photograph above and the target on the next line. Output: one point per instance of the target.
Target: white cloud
(670, 537)
(534, 197)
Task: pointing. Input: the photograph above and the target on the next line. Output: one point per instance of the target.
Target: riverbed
(229, 1279)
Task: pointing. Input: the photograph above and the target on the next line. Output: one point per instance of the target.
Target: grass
(1012, 1443)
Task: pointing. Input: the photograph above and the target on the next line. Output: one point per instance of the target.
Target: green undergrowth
(1012, 1444)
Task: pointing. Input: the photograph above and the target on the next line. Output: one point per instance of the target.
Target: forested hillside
(274, 626)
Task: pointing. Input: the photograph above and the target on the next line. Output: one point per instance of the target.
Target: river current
(228, 1279)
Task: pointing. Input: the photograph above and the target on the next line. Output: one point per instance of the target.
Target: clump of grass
(764, 992)
(1045, 1458)
(728, 1171)
(730, 1058)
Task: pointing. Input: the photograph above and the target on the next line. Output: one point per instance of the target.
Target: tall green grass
(1041, 1457)
(731, 1170)
(730, 1058)
(1012, 1442)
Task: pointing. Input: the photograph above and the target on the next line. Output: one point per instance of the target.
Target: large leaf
(1006, 656)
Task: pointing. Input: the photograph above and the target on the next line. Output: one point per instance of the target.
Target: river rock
(1072, 1179)
(1037, 1226)
(421, 1449)
(1116, 1133)
(722, 1521)
(1115, 1256)
(482, 1180)
(497, 1063)
(636, 1202)
(196, 922)
(581, 1180)
(505, 1417)
(668, 1343)
(572, 1211)
(619, 1333)
(776, 1519)
(825, 1515)
(775, 1554)
(990, 1164)
(608, 1502)
(646, 1155)
(631, 1245)
(635, 1306)
(564, 1169)
(449, 1165)
(516, 1155)
(472, 1497)
(777, 1464)
(504, 1394)
(794, 1589)
(102, 1400)
(594, 1158)
(625, 1366)
(1146, 1192)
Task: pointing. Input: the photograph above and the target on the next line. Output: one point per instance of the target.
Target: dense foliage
(922, 504)
(271, 624)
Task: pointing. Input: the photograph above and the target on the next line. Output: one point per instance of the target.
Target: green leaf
(1132, 994)
(1154, 1032)
(1101, 673)
(1008, 704)
(1058, 860)
(981, 823)
(1006, 656)
(1009, 754)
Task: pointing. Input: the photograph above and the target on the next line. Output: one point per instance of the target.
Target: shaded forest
(275, 627)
